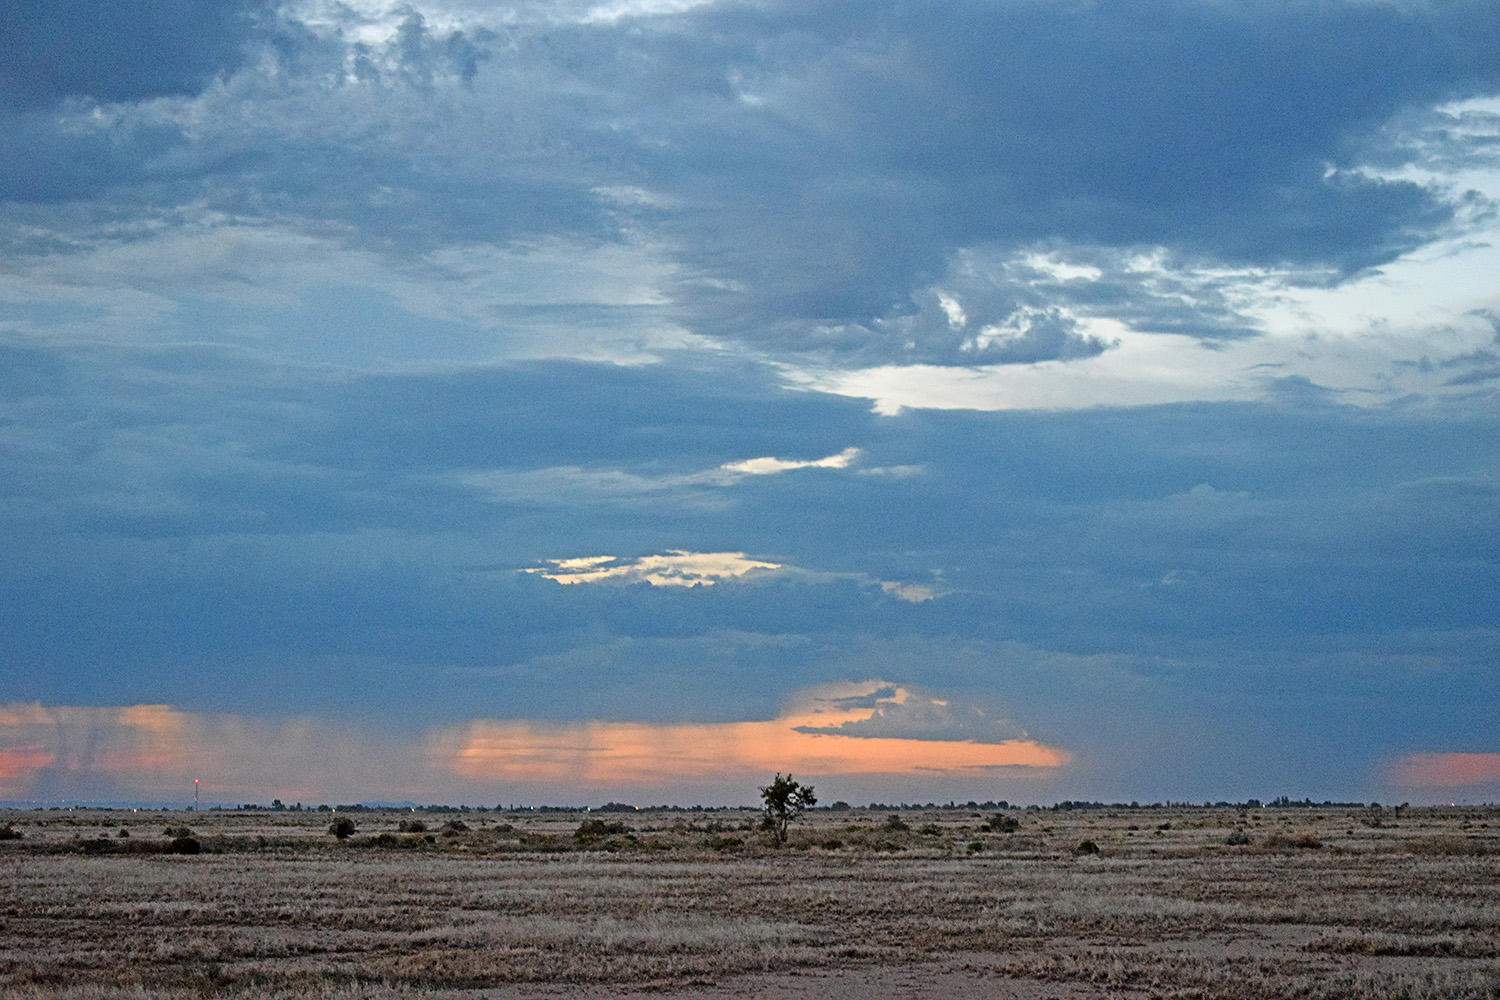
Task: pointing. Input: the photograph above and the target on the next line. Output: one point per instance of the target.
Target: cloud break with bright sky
(567, 401)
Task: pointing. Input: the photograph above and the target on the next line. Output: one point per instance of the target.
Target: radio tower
(195, 795)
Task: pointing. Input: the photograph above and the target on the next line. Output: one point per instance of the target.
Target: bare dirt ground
(1181, 903)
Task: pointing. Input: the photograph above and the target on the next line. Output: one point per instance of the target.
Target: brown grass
(274, 907)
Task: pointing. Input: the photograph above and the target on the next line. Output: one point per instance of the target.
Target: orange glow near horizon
(1446, 770)
(631, 753)
(18, 764)
(637, 753)
(154, 750)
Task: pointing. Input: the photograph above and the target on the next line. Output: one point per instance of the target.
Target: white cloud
(957, 318)
(680, 568)
(700, 490)
(912, 593)
(771, 466)
(676, 568)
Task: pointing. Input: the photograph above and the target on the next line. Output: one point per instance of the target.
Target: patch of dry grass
(275, 907)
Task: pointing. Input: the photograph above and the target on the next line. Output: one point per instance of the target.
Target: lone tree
(785, 800)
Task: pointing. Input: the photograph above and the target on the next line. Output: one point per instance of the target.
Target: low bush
(1001, 823)
(8, 832)
(412, 826)
(591, 830)
(184, 845)
(1086, 847)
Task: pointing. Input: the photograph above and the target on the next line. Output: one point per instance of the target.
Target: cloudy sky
(560, 401)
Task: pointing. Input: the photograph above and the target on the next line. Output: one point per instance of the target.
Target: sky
(562, 402)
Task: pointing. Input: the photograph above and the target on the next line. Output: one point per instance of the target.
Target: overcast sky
(561, 402)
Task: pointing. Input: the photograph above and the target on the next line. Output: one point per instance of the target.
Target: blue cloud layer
(320, 326)
(809, 173)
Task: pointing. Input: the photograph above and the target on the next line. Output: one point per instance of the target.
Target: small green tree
(785, 800)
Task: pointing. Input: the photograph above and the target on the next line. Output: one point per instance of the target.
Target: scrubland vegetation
(1176, 903)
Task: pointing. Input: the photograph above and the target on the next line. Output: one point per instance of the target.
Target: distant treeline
(276, 805)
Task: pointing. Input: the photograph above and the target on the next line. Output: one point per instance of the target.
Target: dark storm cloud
(905, 133)
(813, 172)
(119, 50)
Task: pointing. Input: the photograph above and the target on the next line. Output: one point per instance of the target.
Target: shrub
(177, 831)
(931, 830)
(412, 826)
(454, 827)
(8, 832)
(1001, 823)
(831, 844)
(123, 833)
(343, 828)
(895, 824)
(1086, 847)
(591, 830)
(725, 843)
(1237, 838)
(975, 846)
(184, 845)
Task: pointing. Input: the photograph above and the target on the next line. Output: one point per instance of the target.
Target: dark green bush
(184, 845)
(1001, 823)
(591, 830)
(1086, 847)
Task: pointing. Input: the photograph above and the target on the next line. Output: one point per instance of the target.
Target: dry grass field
(1189, 902)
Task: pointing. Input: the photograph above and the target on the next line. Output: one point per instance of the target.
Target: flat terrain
(1177, 902)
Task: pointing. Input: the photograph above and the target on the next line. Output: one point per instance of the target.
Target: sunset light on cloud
(806, 740)
(1446, 770)
(154, 751)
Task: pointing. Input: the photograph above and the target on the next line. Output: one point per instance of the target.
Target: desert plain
(1175, 902)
